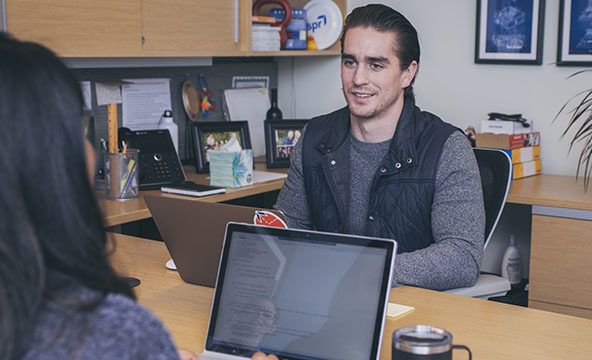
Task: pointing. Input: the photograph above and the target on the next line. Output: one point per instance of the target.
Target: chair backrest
(495, 168)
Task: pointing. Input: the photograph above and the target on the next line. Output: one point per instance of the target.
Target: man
(382, 167)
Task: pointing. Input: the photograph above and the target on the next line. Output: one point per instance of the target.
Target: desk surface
(492, 330)
(551, 190)
(547, 190)
(120, 212)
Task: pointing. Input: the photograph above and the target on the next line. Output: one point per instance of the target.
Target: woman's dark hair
(51, 222)
(383, 18)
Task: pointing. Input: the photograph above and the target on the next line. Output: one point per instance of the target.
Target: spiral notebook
(191, 188)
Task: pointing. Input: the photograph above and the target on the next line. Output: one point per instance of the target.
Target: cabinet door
(79, 28)
(560, 266)
(191, 27)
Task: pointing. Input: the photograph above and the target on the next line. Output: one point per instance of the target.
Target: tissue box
(231, 168)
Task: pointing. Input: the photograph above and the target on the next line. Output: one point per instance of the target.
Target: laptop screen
(299, 294)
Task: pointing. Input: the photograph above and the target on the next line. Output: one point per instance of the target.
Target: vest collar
(402, 150)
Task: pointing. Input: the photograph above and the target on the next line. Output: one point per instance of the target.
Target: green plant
(579, 108)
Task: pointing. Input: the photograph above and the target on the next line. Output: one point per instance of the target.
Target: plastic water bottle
(511, 263)
(166, 122)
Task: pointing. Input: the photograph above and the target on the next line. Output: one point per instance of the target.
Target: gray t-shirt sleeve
(458, 225)
(292, 198)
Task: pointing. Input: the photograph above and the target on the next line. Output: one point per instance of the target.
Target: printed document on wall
(144, 102)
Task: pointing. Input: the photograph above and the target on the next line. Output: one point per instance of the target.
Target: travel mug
(424, 342)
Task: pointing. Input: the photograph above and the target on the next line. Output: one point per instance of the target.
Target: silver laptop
(299, 294)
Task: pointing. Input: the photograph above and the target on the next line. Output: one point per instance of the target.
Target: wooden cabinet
(79, 28)
(561, 265)
(137, 28)
(191, 28)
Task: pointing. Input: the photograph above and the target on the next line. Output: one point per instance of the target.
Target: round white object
(324, 22)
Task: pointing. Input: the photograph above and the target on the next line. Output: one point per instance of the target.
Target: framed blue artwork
(509, 32)
(575, 33)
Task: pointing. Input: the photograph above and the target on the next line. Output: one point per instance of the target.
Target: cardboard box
(524, 154)
(504, 127)
(529, 168)
(507, 142)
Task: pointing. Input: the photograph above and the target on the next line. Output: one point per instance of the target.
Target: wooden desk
(121, 212)
(551, 190)
(492, 330)
(559, 270)
(561, 243)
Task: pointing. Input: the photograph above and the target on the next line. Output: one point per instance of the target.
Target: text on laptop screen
(300, 297)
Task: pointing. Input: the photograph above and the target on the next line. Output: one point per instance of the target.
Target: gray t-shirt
(365, 158)
(458, 218)
(118, 328)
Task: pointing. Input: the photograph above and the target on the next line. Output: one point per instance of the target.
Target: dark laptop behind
(193, 232)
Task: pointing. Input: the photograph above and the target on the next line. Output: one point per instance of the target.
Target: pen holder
(121, 175)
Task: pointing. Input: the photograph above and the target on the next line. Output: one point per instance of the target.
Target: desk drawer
(561, 262)
(566, 310)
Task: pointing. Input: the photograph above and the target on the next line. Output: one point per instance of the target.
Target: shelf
(298, 53)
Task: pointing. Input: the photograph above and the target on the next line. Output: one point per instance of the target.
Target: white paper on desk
(108, 93)
(144, 102)
(85, 87)
(262, 176)
(250, 105)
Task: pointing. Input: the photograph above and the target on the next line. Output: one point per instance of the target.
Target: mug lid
(422, 340)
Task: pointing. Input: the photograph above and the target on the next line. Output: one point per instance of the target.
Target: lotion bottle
(511, 263)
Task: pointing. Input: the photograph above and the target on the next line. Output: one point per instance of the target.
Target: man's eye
(376, 66)
(348, 62)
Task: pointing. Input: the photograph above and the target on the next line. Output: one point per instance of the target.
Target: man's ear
(409, 74)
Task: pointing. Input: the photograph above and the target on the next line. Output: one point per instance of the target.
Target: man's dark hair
(384, 18)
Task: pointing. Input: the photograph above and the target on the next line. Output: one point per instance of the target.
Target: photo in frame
(219, 135)
(280, 138)
(574, 47)
(509, 32)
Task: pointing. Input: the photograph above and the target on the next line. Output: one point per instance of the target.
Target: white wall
(450, 84)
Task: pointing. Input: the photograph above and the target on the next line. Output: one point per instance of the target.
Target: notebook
(299, 294)
(193, 232)
(191, 188)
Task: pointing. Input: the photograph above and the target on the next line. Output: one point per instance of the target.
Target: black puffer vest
(402, 189)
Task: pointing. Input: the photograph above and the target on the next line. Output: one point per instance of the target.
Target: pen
(126, 178)
(103, 145)
(129, 180)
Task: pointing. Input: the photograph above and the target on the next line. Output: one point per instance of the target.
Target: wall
(450, 84)
(219, 77)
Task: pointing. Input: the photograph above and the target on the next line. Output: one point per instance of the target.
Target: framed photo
(574, 46)
(241, 82)
(280, 138)
(509, 32)
(218, 135)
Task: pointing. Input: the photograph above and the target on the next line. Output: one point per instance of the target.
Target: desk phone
(158, 161)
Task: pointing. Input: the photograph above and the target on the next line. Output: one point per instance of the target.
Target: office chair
(495, 168)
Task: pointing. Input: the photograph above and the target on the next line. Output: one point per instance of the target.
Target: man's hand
(261, 356)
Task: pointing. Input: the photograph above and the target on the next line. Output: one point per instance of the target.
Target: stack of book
(524, 149)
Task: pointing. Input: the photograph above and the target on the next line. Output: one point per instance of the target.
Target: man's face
(370, 73)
